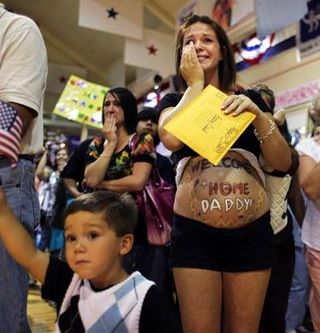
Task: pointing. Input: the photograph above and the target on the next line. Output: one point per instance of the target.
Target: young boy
(147, 123)
(93, 290)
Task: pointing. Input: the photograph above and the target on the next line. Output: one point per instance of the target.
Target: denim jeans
(298, 297)
(313, 263)
(18, 185)
(276, 300)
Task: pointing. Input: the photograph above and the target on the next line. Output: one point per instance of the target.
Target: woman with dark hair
(129, 106)
(122, 161)
(111, 165)
(221, 250)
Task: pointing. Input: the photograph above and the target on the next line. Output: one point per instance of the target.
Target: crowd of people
(225, 268)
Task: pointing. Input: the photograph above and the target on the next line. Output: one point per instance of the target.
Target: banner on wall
(81, 101)
(186, 11)
(155, 51)
(274, 15)
(308, 37)
(252, 50)
(302, 94)
(123, 17)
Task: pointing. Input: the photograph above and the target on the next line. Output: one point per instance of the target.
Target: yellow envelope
(204, 127)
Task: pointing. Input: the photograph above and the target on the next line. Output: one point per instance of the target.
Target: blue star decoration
(112, 13)
(152, 50)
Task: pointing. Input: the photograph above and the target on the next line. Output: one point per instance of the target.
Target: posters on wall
(230, 12)
(308, 37)
(301, 94)
(186, 11)
(226, 12)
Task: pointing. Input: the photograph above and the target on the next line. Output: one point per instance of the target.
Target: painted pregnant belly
(221, 197)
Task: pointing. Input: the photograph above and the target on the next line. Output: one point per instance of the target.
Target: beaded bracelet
(270, 131)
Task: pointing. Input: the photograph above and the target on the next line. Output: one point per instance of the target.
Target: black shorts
(197, 245)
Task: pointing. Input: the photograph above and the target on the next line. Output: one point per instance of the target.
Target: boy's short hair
(119, 210)
(147, 113)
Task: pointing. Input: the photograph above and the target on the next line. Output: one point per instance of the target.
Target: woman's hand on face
(109, 129)
(237, 104)
(190, 67)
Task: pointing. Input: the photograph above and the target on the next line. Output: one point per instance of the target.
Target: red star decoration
(152, 50)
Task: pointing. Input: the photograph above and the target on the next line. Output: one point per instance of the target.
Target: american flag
(10, 132)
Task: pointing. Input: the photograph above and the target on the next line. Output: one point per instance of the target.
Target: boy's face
(147, 126)
(93, 250)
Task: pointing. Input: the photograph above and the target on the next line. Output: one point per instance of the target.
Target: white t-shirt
(311, 222)
(23, 72)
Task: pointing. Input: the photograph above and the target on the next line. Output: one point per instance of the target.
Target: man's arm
(26, 114)
(23, 71)
(20, 244)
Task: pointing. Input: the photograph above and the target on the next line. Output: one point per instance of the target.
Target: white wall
(281, 73)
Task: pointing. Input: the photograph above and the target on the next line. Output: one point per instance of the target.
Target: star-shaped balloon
(112, 13)
(152, 50)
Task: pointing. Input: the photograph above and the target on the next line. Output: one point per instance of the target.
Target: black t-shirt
(157, 315)
(75, 167)
(121, 162)
(246, 141)
(165, 168)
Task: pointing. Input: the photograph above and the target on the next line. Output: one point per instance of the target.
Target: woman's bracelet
(272, 126)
